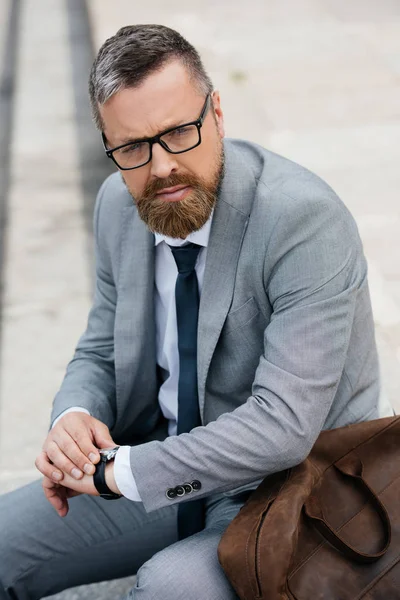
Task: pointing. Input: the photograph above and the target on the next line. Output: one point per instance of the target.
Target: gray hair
(132, 54)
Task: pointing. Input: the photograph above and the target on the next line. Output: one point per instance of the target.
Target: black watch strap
(99, 481)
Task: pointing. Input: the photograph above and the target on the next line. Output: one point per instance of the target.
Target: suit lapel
(227, 231)
(135, 309)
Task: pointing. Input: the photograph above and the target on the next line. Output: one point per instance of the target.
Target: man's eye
(180, 131)
(131, 149)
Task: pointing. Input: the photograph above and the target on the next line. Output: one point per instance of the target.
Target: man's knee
(188, 569)
(172, 580)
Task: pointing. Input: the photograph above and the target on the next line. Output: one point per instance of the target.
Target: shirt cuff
(123, 474)
(72, 409)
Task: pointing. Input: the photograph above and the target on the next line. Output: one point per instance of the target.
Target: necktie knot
(185, 257)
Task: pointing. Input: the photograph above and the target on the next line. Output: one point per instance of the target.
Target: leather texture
(328, 528)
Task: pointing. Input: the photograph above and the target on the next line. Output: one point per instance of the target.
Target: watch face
(108, 453)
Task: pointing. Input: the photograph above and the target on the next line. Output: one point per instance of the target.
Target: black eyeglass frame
(157, 139)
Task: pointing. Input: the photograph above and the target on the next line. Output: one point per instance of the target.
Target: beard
(179, 219)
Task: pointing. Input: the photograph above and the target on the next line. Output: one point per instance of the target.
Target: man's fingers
(43, 464)
(83, 438)
(60, 460)
(74, 436)
(56, 495)
(102, 435)
(67, 456)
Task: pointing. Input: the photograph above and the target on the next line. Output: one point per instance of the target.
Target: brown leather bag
(327, 529)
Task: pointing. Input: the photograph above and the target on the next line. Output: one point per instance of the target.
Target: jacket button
(171, 493)
(188, 488)
(196, 485)
(180, 490)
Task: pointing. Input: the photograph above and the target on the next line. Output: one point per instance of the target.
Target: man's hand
(71, 447)
(58, 494)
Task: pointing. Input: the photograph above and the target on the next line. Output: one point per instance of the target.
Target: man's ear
(218, 114)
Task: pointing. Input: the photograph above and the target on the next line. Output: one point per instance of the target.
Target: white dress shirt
(167, 353)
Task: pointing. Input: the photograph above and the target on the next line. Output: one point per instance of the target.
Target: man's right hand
(72, 446)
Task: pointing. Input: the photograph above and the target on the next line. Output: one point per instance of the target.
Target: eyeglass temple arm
(205, 109)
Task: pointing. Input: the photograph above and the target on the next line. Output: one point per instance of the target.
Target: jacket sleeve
(89, 381)
(314, 270)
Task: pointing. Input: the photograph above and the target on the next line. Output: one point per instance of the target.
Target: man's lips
(173, 194)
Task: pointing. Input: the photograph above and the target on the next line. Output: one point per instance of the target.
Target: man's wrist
(110, 479)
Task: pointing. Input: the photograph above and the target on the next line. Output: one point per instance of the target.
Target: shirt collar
(199, 237)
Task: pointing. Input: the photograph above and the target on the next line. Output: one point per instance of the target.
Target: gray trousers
(42, 553)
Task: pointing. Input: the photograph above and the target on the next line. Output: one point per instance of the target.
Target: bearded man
(231, 323)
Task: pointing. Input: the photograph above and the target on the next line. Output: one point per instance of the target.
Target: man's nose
(163, 163)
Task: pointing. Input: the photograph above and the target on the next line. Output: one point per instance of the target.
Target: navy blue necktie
(190, 514)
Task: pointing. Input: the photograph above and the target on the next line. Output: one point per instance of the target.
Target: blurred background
(317, 81)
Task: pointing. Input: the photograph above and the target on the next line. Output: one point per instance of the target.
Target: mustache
(172, 180)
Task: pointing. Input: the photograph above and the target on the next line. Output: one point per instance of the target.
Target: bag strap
(350, 466)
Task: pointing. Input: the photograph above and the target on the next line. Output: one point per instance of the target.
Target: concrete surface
(315, 80)
(46, 296)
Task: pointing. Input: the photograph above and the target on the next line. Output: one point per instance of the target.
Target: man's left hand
(85, 485)
(57, 494)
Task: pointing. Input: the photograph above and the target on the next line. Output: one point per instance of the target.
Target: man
(231, 322)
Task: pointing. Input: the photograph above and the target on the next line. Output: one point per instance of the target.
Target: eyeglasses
(176, 140)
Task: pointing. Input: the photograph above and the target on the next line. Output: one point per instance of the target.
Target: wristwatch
(99, 480)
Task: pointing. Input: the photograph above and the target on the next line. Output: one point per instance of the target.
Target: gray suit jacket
(286, 342)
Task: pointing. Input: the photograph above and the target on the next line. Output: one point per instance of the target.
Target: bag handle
(350, 466)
